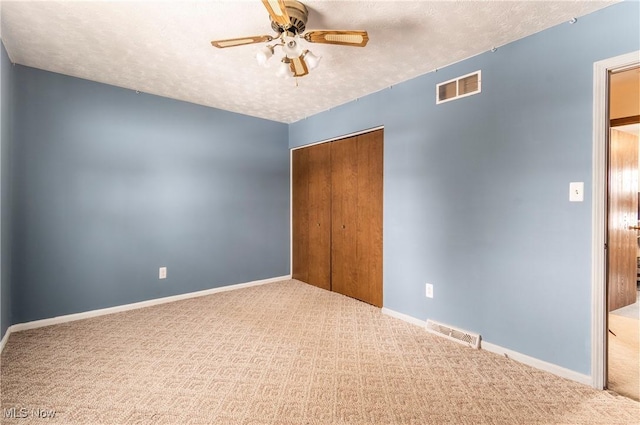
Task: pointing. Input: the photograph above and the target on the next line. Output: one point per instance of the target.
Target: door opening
(623, 251)
(601, 126)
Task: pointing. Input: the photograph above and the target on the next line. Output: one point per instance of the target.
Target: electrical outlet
(162, 273)
(429, 290)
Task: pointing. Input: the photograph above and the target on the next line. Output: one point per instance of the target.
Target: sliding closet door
(356, 255)
(300, 214)
(337, 216)
(311, 195)
(344, 216)
(319, 257)
(369, 239)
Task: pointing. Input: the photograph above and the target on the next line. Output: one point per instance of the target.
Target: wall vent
(459, 87)
(457, 335)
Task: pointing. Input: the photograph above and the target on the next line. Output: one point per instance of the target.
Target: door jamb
(599, 211)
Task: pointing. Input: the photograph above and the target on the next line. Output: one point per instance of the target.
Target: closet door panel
(369, 218)
(300, 214)
(344, 195)
(337, 216)
(319, 199)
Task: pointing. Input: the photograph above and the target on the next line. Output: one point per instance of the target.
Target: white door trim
(599, 211)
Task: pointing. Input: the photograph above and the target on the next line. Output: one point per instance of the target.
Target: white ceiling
(164, 48)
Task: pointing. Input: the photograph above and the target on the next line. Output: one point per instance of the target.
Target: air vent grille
(459, 87)
(457, 335)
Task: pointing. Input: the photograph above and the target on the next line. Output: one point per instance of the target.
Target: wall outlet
(162, 273)
(429, 290)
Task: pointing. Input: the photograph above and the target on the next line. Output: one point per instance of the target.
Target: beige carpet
(624, 358)
(283, 353)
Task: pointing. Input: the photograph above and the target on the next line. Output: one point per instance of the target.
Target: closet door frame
(344, 136)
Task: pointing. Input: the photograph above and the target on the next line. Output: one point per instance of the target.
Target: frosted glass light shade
(312, 60)
(284, 70)
(263, 55)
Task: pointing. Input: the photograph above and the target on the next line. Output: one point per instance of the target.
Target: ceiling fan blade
(299, 67)
(278, 12)
(232, 42)
(343, 38)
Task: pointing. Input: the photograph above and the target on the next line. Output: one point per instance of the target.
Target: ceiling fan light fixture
(312, 60)
(284, 70)
(289, 21)
(263, 55)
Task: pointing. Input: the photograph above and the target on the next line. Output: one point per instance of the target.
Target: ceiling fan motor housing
(298, 14)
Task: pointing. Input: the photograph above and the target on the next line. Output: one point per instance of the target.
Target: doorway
(600, 179)
(623, 253)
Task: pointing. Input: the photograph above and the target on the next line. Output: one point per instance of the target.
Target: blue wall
(476, 190)
(6, 143)
(110, 185)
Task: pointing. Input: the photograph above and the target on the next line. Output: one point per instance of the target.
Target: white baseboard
(404, 317)
(514, 355)
(120, 308)
(537, 363)
(3, 342)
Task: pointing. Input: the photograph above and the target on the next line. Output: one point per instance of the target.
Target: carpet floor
(282, 353)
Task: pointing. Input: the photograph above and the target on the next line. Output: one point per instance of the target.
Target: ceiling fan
(289, 21)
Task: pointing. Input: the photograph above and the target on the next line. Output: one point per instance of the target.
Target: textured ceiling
(163, 47)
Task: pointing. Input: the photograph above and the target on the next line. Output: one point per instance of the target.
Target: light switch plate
(429, 290)
(162, 273)
(576, 191)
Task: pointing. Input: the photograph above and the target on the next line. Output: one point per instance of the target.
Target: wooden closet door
(311, 174)
(344, 195)
(369, 218)
(356, 261)
(319, 252)
(300, 214)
